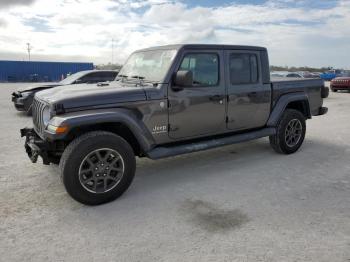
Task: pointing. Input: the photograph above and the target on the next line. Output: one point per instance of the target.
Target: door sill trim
(173, 150)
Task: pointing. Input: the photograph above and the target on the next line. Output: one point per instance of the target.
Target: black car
(23, 98)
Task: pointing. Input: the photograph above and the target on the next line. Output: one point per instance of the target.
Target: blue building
(28, 71)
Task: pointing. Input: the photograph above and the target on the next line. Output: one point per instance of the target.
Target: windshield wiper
(140, 78)
(121, 77)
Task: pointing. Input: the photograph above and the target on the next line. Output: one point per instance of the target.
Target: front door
(248, 98)
(199, 109)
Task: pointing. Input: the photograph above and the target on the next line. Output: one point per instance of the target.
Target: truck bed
(312, 87)
(296, 81)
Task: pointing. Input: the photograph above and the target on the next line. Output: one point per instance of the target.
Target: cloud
(294, 33)
(9, 3)
(3, 22)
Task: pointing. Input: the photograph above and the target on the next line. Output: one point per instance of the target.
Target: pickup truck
(23, 98)
(167, 101)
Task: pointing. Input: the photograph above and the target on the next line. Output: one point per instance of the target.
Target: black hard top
(204, 46)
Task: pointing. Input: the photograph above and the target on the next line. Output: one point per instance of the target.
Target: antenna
(112, 51)
(29, 48)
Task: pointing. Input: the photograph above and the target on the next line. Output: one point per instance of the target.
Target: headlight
(25, 94)
(46, 115)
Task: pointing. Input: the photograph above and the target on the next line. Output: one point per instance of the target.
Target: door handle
(252, 94)
(217, 98)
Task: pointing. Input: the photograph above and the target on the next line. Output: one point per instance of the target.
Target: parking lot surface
(237, 203)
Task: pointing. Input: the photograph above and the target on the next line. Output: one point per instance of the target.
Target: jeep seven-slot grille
(38, 109)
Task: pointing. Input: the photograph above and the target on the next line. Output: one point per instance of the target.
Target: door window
(106, 76)
(243, 69)
(205, 68)
(98, 77)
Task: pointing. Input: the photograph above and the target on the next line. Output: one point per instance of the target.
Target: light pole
(29, 47)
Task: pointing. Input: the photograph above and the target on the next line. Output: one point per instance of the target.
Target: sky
(296, 33)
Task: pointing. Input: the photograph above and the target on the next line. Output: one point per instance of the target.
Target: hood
(92, 95)
(342, 78)
(39, 86)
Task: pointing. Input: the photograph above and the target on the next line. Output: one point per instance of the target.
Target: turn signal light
(57, 129)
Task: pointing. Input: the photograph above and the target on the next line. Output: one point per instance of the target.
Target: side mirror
(183, 78)
(78, 81)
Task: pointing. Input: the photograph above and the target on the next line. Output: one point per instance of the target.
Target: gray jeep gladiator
(167, 101)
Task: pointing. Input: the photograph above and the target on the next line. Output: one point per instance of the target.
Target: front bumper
(18, 101)
(35, 146)
(340, 87)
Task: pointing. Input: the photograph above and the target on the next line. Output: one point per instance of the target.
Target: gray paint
(163, 119)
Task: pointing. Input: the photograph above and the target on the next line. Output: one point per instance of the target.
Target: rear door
(199, 109)
(248, 98)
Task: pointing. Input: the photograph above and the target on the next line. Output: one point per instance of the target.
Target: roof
(204, 46)
(43, 62)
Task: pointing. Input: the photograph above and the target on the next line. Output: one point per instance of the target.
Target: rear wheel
(290, 132)
(97, 167)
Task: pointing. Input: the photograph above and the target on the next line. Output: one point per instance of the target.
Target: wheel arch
(118, 128)
(297, 101)
(122, 122)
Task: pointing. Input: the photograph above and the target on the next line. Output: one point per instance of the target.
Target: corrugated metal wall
(23, 71)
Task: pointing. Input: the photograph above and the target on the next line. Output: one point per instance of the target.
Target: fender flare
(282, 104)
(114, 115)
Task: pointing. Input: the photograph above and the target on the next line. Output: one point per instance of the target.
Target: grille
(38, 108)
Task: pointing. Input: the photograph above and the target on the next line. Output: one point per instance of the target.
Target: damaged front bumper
(18, 101)
(35, 146)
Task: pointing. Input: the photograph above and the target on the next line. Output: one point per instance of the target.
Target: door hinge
(172, 128)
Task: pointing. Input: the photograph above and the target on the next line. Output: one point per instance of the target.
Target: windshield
(148, 65)
(70, 79)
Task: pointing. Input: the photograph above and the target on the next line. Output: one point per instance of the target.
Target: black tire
(74, 156)
(279, 141)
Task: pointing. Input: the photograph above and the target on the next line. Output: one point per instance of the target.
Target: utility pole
(112, 51)
(29, 48)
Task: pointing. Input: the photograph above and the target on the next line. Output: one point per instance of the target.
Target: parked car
(167, 101)
(23, 98)
(331, 74)
(306, 74)
(295, 75)
(340, 83)
(278, 74)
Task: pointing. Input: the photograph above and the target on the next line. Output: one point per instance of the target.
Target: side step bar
(168, 151)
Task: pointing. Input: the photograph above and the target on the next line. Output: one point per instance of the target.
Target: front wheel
(290, 132)
(97, 167)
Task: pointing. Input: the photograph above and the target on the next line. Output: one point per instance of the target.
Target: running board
(167, 151)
